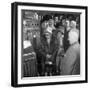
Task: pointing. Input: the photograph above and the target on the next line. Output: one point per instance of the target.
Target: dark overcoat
(51, 49)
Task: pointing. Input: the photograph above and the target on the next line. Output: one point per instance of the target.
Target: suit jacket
(51, 49)
(70, 64)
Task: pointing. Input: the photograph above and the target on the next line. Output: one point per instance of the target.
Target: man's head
(73, 24)
(73, 37)
(45, 24)
(51, 22)
(47, 19)
(64, 22)
(61, 16)
(67, 23)
(56, 19)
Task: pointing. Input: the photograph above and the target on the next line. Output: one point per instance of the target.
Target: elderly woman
(70, 64)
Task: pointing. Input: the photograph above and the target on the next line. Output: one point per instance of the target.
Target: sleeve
(76, 68)
(67, 63)
(55, 50)
(42, 50)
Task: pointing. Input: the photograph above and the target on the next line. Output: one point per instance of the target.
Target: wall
(5, 46)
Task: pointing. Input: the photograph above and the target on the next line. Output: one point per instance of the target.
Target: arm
(42, 50)
(55, 50)
(67, 63)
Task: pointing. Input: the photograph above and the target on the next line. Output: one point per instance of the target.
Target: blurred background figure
(29, 58)
(60, 51)
(67, 30)
(73, 25)
(56, 21)
(64, 21)
(78, 22)
(51, 24)
(68, 25)
(70, 64)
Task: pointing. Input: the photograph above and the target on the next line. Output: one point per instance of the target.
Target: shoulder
(70, 54)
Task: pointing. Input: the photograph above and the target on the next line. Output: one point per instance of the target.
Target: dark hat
(56, 15)
(71, 17)
(46, 18)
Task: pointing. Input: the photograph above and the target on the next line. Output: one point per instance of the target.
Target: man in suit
(48, 51)
(70, 64)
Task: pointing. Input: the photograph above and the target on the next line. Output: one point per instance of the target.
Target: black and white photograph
(50, 44)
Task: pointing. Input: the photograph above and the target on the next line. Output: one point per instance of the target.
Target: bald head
(73, 24)
(73, 37)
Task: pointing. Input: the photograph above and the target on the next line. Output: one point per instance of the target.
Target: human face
(67, 23)
(45, 24)
(73, 24)
(59, 35)
(64, 22)
(47, 35)
(56, 19)
(51, 22)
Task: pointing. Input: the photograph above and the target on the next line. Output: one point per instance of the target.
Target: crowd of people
(58, 52)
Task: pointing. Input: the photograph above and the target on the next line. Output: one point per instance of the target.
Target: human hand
(48, 56)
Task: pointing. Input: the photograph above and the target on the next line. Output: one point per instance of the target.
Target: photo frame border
(14, 43)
